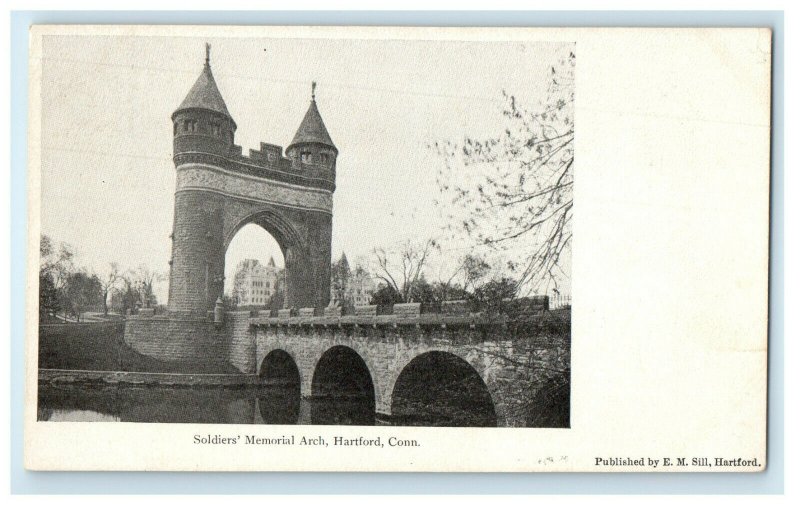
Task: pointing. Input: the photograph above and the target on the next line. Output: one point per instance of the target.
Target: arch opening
(440, 389)
(279, 401)
(342, 389)
(254, 270)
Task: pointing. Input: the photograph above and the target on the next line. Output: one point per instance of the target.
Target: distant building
(254, 283)
(362, 287)
(355, 287)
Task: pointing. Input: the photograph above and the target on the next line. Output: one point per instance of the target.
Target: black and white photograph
(397, 249)
(297, 231)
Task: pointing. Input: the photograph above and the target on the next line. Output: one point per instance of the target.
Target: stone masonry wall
(242, 348)
(188, 345)
(196, 244)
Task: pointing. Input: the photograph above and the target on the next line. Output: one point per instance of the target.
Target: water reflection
(279, 406)
(350, 411)
(267, 404)
(68, 416)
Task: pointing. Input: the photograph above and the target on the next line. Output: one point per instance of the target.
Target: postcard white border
(732, 355)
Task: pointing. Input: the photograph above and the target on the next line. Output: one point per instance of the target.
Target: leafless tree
(401, 269)
(145, 280)
(125, 295)
(471, 270)
(515, 188)
(108, 283)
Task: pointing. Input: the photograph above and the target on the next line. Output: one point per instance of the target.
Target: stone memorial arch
(219, 190)
(395, 361)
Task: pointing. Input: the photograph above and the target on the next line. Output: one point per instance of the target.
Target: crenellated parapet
(267, 163)
(449, 315)
(204, 135)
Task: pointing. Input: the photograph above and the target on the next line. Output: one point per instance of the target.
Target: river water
(264, 404)
(218, 405)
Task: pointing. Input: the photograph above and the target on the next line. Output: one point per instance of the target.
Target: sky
(108, 179)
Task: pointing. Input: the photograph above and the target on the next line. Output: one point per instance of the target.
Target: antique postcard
(397, 249)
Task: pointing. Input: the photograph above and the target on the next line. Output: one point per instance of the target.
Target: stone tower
(219, 190)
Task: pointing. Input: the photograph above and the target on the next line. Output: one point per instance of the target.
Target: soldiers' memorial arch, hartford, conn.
(376, 351)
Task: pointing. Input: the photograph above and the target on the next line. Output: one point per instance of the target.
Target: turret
(312, 145)
(202, 123)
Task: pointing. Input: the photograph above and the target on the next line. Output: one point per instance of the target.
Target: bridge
(396, 357)
(501, 368)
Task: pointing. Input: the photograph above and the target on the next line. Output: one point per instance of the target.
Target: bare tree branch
(516, 187)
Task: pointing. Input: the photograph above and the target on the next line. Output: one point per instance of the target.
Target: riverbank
(100, 346)
(112, 377)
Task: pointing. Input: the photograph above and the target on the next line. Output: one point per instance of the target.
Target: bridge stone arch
(263, 367)
(294, 353)
(478, 358)
(284, 405)
(307, 351)
(343, 388)
(432, 368)
(362, 353)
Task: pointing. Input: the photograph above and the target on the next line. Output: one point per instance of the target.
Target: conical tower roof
(312, 129)
(205, 93)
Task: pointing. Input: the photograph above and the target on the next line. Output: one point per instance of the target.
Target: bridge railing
(444, 314)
